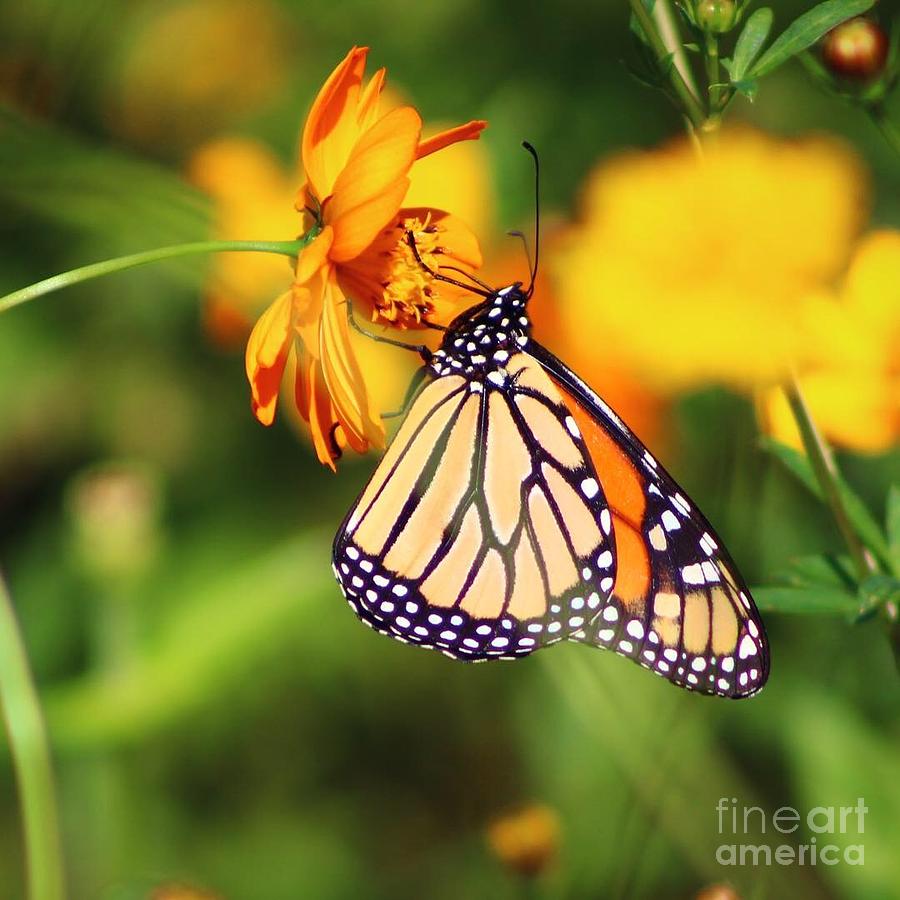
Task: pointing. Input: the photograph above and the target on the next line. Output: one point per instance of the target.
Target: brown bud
(181, 892)
(526, 841)
(855, 50)
(718, 892)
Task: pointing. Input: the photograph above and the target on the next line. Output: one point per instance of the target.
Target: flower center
(410, 291)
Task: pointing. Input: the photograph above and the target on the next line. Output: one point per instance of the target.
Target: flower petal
(355, 413)
(381, 157)
(314, 404)
(359, 227)
(331, 127)
(471, 131)
(458, 240)
(368, 102)
(314, 255)
(267, 351)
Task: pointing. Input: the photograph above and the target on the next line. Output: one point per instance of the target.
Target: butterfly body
(482, 340)
(514, 509)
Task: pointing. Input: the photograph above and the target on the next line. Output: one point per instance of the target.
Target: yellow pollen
(409, 291)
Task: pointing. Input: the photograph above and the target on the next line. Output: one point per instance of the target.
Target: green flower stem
(691, 106)
(823, 465)
(712, 72)
(667, 24)
(120, 263)
(31, 761)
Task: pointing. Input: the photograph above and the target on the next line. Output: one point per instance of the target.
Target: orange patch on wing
(632, 563)
(622, 483)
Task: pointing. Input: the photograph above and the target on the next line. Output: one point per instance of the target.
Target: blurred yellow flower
(526, 841)
(195, 66)
(250, 188)
(620, 385)
(458, 178)
(694, 268)
(849, 368)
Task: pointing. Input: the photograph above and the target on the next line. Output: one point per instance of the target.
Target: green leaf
(818, 570)
(635, 26)
(806, 30)
(748, 87)
(861, 519)
(874, 592)
(893, 527)
(751, 42)
(806, 600)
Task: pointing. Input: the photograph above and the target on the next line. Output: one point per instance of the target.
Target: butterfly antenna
(537, 215)
(520, 235)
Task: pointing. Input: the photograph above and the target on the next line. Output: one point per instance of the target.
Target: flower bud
(716, 16)
(718, 892)
(855, 50)
(115, 513)
(527, 841)
(181, 892)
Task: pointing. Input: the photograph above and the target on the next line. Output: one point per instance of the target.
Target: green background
(218, 717)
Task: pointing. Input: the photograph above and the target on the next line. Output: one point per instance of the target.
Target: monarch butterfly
(514, 509)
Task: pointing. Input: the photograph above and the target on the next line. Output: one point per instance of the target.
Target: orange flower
(357, 166)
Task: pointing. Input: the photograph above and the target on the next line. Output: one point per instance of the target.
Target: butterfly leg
(411, 392)
(421, 349)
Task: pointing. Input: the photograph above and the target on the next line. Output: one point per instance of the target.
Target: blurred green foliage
(218, 716)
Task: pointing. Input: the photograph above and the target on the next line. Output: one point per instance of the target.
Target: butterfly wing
(483, 532)
(679, 606)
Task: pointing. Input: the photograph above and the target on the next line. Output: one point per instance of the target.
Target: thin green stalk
(691, 106)
(121, 263)
(667, 23)
(711, 58)
(823, 465)
(31, 761)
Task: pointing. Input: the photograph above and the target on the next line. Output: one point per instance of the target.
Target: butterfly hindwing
(484, 531)
(679, 606)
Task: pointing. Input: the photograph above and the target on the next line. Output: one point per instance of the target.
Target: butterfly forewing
(484, 531)
(679, 606)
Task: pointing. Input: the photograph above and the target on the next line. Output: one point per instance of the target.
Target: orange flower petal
(331, 128)
(308, 310)
(461, 245)
(314, 255)
(471, 131)
(382, 156)
(315, 406)
(368, 102)
(303, 381)
(361, 423)
(267, 351)
(359, 227)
